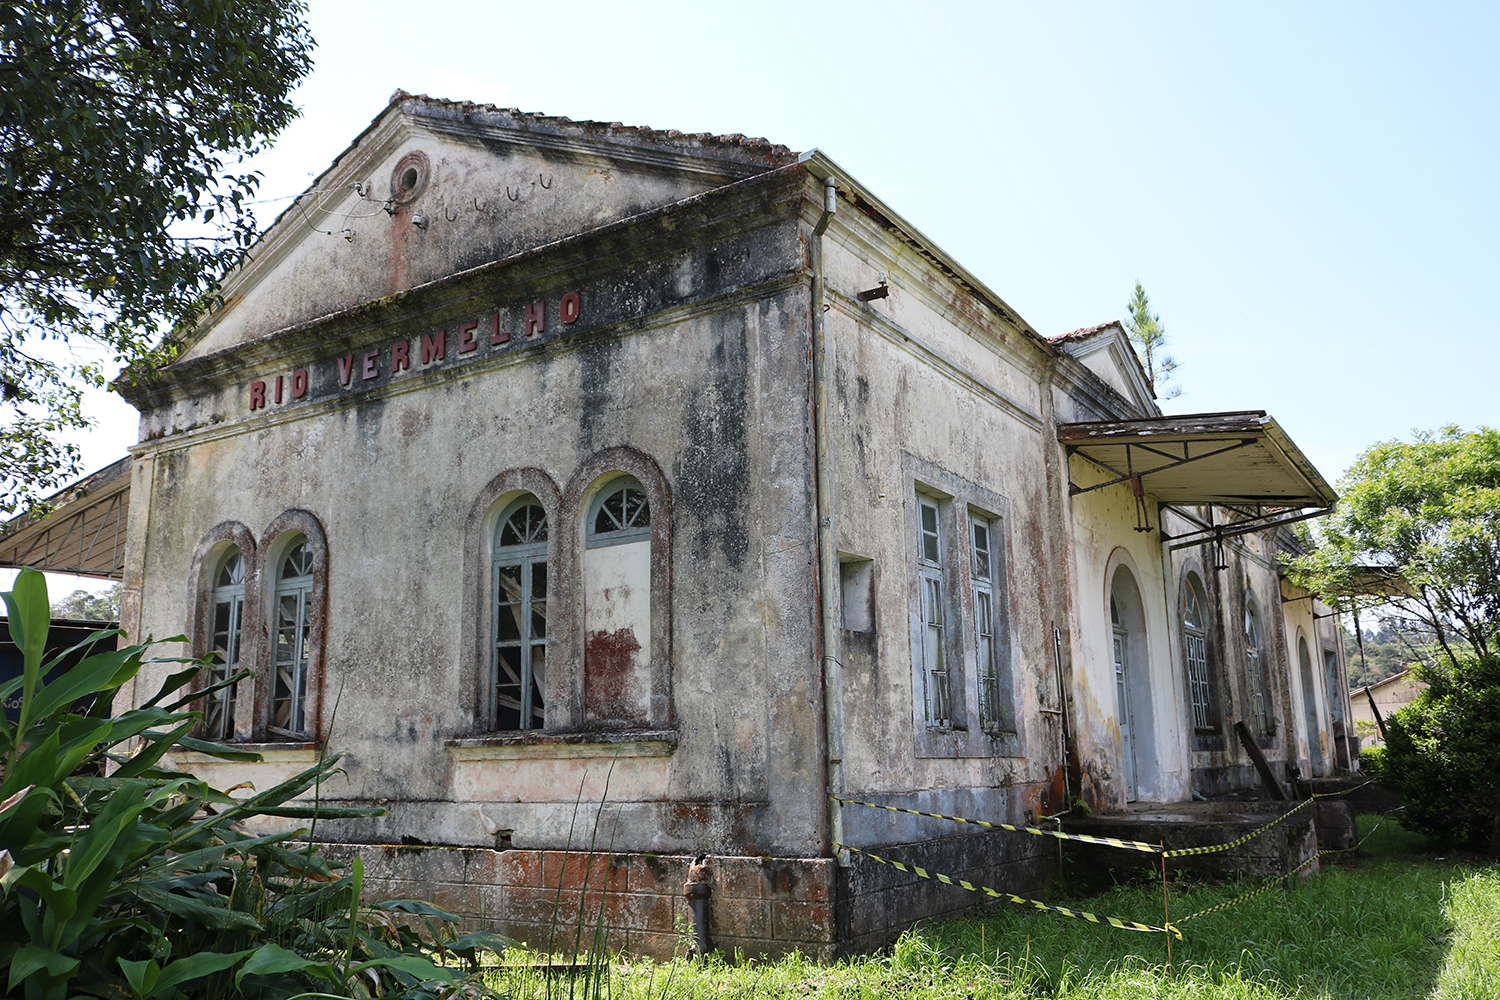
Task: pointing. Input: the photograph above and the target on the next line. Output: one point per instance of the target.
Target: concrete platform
(1205, 824)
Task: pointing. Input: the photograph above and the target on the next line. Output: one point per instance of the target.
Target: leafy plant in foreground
(122, 879)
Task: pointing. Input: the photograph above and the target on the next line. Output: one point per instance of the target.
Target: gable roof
(492, 182)
(1092, 345)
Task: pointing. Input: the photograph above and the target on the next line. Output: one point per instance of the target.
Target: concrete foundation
(758, 906)
(1272, 854)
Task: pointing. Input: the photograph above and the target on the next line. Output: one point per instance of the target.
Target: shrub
(121, 878)
(1372, 761)
(1440, 753)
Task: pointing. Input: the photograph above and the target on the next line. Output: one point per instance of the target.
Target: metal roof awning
(1242, 461)
(85, 533)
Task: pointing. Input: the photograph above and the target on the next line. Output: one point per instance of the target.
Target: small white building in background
(533, 462)
(1395, 692)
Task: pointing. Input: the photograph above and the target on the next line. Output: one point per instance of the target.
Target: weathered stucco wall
(931, 392)
(695, 360)
(485, 183)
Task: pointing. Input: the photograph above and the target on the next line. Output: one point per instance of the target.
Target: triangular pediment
(1106, 351)
(436, 187)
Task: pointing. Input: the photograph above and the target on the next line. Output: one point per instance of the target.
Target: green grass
(1402, 920)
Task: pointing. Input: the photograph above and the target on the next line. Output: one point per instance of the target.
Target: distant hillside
(1386, 652)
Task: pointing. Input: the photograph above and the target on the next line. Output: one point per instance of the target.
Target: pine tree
(1150, 337)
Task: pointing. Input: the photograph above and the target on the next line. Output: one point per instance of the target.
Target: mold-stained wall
(474, 342)
(690, 358)
(936, 395)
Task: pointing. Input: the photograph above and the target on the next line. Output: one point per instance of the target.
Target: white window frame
(937, 687)
(1195, 654)
(295, 657)
(529, 555)
(946, 636)
(1255, 673)
(225, 643)
(637, 519)
(996, 714)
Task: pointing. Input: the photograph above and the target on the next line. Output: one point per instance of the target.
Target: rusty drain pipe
(828, 570)
(698, 890)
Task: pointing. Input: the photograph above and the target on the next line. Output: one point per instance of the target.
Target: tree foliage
(85, 606)
(1421, 520)
(1150, 339)
(121, 878)
(119, 122)
(1440, 753)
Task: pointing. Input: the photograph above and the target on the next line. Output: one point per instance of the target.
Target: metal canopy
(1230, 459)
(85, 533)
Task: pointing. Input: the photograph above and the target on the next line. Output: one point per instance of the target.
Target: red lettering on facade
(536, 317)
(346, 369)
(466, 341)
(299, 383)
(434, 348)
(400, 356)
(498, 336)
(369, 371)
(570, 308)
(257, 396)
(278, 390)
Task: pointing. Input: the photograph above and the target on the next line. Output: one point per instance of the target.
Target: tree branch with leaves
(120, 123)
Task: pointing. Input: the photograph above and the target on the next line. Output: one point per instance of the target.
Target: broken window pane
(291, 654)
(518, 602)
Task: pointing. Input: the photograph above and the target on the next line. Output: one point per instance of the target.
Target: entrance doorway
(1140, 771)
(1310, 708)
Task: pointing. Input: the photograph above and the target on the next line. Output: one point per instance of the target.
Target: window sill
(305, 754)
(564, 746)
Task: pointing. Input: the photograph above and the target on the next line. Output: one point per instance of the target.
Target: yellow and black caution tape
(1129, 845)
(920, 872)
(1269, 885)
(1367, 836)
(1181, 852)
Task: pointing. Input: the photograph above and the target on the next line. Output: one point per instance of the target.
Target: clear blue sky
(1307, 191)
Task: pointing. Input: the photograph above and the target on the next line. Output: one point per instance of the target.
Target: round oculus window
(409, 179)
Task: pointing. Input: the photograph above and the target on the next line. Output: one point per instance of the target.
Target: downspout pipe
(828, 570)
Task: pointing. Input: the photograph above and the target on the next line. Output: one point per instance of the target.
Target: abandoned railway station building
(592, 485)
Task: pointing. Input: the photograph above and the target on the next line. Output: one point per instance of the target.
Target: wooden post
(1378, 720)
(1261, 764)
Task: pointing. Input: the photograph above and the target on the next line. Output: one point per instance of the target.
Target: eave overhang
(85, 533)
(1242, 461)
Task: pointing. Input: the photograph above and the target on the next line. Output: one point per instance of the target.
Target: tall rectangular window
(292, 655)
(228, 603)
(1195, 652)
(519, 601)
(992, 710)
(962, 697)
(930, 580)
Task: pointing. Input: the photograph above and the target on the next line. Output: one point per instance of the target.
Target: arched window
(226, 610)
(1260, 702)
(1195, 653)
(292, 650)
(617, 605)
(621, 514)
(518, 597)
(1310, 707)
(1124, 715)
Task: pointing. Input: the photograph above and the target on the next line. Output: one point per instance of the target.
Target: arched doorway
(1132, 685)
(1310, 707)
